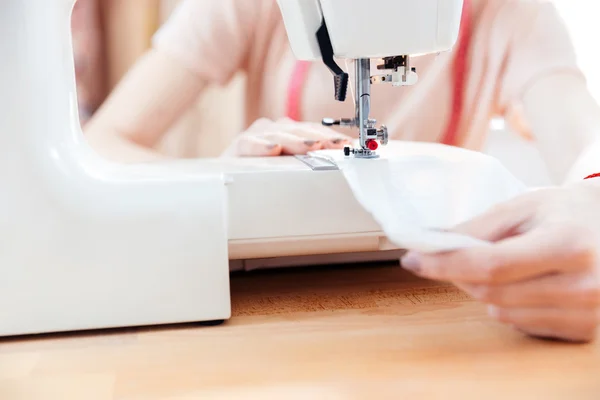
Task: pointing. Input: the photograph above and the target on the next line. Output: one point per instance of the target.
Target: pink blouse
(504, 47)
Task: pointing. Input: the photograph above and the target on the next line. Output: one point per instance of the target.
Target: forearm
(565, 121)
(151, 97)
(113, 146)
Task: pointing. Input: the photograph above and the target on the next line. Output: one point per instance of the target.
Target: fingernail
(310, 143)
(339, 140)
(272, 146)
(411, 262)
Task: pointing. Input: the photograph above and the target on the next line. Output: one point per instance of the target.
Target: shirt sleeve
(539, 45)
(210, 37)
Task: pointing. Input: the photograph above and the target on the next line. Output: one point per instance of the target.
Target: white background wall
(581, 17)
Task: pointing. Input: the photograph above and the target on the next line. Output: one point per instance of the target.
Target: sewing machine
(326, 29)
(86, 243)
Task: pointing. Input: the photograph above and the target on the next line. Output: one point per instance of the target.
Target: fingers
(271, 144)
(336, 143)
(540, 252)
(292, 137)
(252, 146)
(565, 307)
(503, 220)
(292, 144)
(329, 138)
(559, 290)
(577, 325)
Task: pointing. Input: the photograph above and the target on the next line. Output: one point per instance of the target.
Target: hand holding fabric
(541, 272)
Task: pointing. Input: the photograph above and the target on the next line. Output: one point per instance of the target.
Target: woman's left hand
(541, 272)
(265, 138)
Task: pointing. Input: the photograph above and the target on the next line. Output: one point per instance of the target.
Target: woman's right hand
(541, 271)
(284, 137)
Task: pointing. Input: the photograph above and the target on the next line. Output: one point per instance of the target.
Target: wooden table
(339, 333)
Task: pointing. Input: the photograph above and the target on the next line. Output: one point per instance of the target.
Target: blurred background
(109, 35)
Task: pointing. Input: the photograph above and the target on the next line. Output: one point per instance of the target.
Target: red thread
(301, 68)
(596, 175)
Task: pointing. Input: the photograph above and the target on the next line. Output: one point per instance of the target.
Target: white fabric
(415, 191)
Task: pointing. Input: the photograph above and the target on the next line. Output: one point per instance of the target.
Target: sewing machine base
(91, 244)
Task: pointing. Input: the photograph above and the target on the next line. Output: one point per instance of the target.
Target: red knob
(372, 144)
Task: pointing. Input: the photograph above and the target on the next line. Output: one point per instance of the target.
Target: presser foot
(370, 136)
(368, 150)
(360, 153)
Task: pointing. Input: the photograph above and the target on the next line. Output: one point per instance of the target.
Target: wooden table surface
(340, 333)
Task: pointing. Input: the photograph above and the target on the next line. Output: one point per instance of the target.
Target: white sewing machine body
(372, 29)
(89, 244)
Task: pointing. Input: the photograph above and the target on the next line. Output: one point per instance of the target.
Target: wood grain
(361, 332)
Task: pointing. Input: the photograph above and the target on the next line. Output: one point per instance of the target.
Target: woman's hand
(541, 274)
(284, 137)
